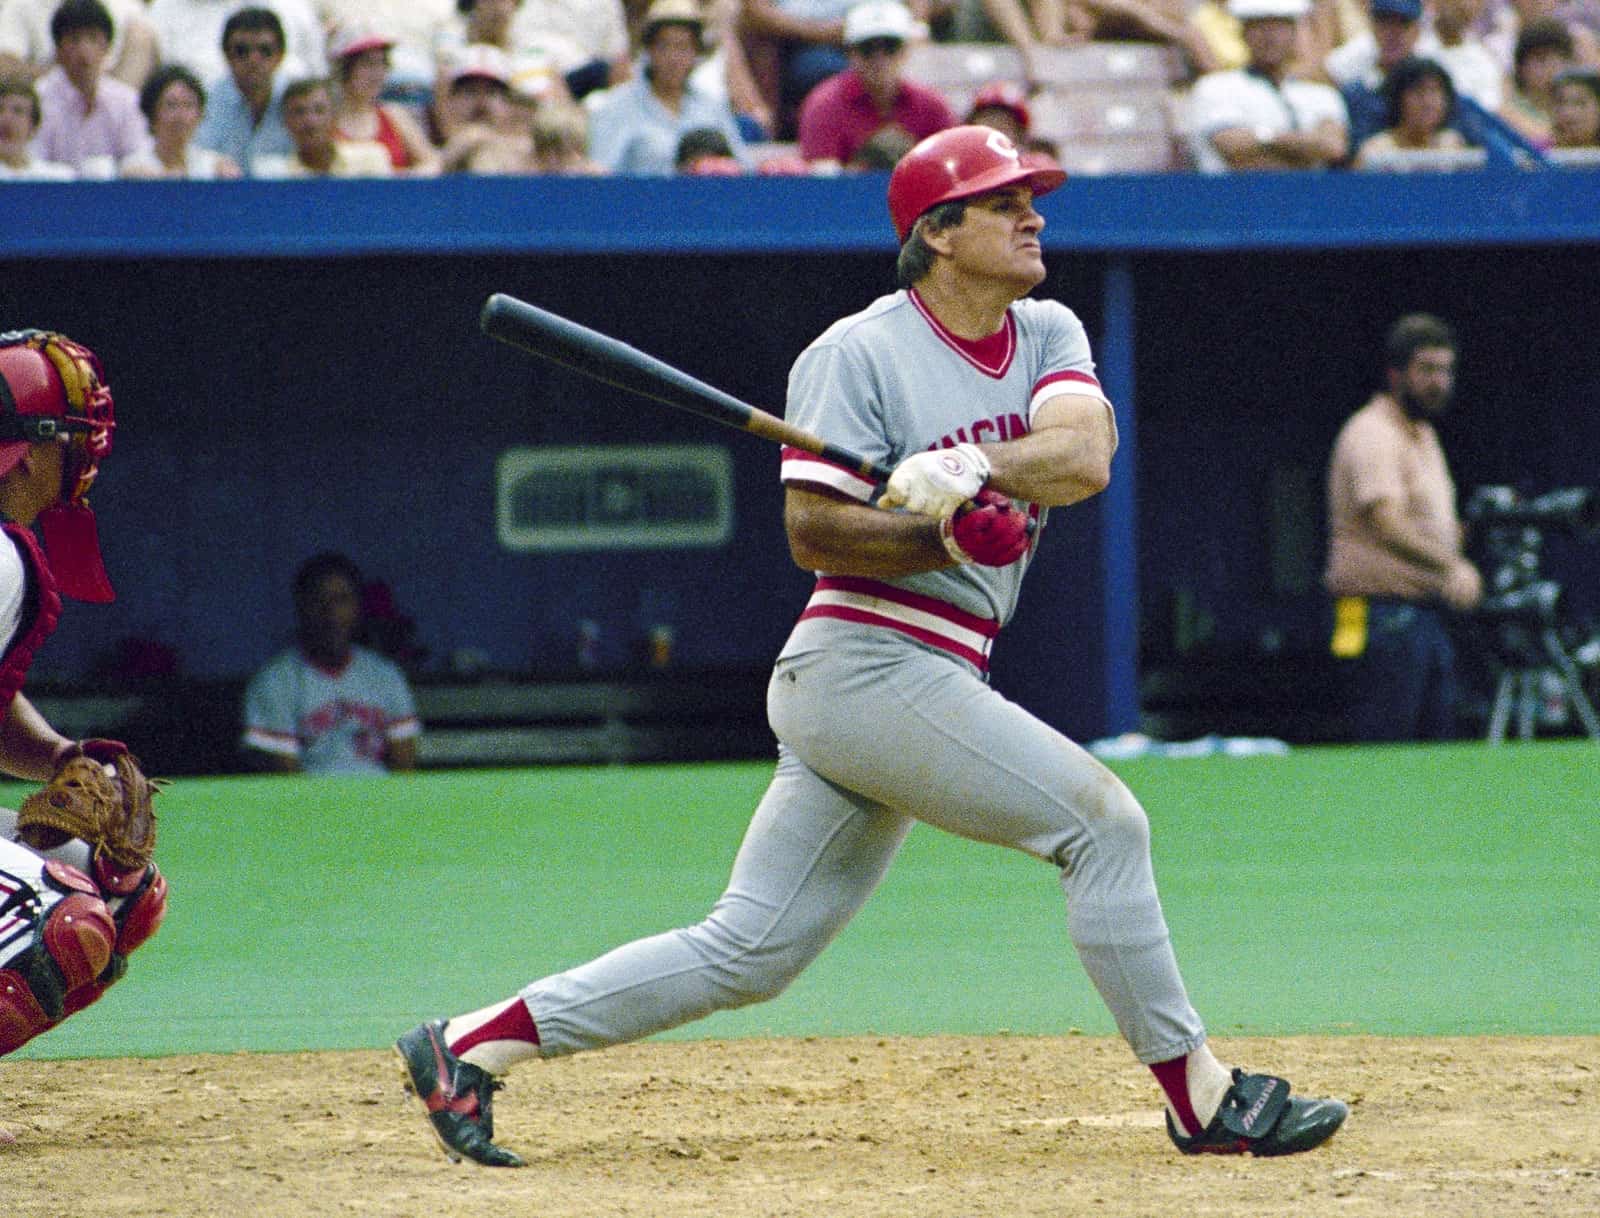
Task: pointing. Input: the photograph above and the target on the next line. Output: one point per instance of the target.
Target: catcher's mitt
(107, 804)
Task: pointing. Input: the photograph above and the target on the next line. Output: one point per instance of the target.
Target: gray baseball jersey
(884, 717)
(891, 381)
(335, 722)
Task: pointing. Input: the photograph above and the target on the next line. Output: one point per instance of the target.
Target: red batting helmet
(960, 162)
(51, 387)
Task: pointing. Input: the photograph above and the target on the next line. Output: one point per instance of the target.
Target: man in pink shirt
(1395, 560)
(845, 111)
(91, 121)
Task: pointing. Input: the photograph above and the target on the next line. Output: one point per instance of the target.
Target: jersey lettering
(1011, 426)
(365, 723)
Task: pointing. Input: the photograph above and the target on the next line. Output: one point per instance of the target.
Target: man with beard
(1394, 547)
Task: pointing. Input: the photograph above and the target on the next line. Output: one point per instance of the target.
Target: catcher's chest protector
(39, 615)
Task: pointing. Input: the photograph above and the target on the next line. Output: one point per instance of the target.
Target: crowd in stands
(299, 88)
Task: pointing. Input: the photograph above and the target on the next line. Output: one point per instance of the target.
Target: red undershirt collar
(990, 355)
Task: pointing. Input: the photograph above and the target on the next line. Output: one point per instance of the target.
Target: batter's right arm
(1065, 458)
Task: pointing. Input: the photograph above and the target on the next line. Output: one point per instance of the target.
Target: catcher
(78, 889)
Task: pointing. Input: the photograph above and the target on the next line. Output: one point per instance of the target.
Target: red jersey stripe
(863, 586)
(865, 618)
(797, 465)
(991, 356)
(1080, 378)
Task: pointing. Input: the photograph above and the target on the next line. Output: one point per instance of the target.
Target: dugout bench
(191, 726)
(682, 716)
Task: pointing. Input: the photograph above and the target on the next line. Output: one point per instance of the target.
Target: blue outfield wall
(297, 366)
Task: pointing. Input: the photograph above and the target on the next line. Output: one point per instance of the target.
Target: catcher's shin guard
(74, 944)
(143, 905)
(21, 1016)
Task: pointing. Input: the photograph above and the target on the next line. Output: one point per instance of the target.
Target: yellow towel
(1349, 627)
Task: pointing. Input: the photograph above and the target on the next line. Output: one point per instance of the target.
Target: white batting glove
(936, 483)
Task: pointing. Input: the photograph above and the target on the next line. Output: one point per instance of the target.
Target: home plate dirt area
(893, 1126)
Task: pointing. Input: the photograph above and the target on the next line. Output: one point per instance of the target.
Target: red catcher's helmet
(1002, 95)
(52, 388)
(960, 162)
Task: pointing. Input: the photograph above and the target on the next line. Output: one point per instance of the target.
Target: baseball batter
(987, 407)
(78, 892)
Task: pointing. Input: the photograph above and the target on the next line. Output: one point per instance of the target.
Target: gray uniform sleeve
(833, 395)
(399, 706)
(269, 711)
(1065, 364)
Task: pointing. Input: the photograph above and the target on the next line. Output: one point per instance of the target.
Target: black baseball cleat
(456, 1094)
(1259, 1117)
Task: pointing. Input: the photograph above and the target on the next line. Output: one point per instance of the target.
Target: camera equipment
(1522, 612)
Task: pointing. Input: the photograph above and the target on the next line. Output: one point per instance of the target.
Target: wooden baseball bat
(612, 362)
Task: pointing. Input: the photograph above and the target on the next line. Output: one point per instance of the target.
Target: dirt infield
(947, 1126)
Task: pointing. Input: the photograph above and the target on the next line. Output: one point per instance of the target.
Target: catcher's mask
(52, 390)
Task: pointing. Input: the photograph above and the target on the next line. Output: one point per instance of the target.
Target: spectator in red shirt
(846, 110)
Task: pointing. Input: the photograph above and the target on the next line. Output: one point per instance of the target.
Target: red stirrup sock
(494, 1038)
(1195, 1085)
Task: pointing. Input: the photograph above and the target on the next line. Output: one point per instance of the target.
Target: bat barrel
(613, 362)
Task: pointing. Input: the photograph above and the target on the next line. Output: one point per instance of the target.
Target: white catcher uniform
(884, 717)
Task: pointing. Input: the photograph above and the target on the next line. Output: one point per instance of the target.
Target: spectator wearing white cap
(794, 45)
(481, 126)
(843, 112)
(361, 62)
(1260, 116)
(413, 24)
(634, 128)
(539, 60)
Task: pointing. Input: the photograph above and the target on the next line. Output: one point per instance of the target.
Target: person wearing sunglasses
(245, 118)
(842, 113)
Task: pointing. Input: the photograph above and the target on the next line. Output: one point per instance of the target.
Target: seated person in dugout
(328, 705)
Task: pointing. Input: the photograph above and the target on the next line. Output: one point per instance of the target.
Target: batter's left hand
(992, 533)
(936, 483)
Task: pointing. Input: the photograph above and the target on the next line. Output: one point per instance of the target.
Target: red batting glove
(991, 533)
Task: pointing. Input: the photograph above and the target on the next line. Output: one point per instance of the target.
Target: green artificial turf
(1404, 890)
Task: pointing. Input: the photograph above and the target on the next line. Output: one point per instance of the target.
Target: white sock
(1208, 1081)
(498, 1056)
